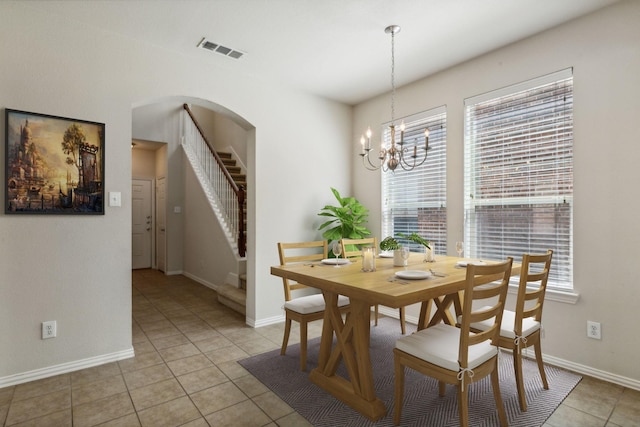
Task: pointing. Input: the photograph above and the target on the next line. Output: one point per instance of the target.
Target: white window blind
(519, 173)
(415, 201)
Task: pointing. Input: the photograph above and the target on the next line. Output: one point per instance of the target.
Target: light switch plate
(115, 198)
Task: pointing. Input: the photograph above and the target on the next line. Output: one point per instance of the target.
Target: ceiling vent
(218, 48)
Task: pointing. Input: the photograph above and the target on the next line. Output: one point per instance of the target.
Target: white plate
(470, 261)
(334, 261)
(386, 254)
(413, 274)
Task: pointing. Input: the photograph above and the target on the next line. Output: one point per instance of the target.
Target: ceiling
(333, 48)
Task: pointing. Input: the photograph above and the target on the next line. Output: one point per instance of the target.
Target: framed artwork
(53, 165)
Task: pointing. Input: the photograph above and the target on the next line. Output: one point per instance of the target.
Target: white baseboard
(588, 370)
(551, 360)
(64, 368)
(266, 322)
(173, 272)
(201, 281)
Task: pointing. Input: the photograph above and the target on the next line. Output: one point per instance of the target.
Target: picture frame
(53, 165)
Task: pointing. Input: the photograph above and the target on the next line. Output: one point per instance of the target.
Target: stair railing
(230, 195)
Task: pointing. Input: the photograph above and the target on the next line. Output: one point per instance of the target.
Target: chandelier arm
(381, 158)
(405, 164)
(372, 167)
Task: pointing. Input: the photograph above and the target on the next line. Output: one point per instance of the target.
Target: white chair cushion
(312, 303)
(439, 345)
(529, 325)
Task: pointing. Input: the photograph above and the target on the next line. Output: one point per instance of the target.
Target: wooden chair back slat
(353, 247)
(299, 252)
(483, 282)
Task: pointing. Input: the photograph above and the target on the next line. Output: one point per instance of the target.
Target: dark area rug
(422, 406)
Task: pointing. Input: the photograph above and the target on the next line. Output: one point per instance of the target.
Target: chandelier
(398, 154)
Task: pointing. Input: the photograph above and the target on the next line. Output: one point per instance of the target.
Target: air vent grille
(218, 48)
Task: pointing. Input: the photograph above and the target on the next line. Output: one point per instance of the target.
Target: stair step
(228, 162)
(234, 298)
(224, 155)
(234, 170)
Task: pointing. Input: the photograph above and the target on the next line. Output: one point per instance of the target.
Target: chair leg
(285, 340)
(376, 314)
(495, 384)
(403, 324)
(543, 375)
(399, 390)
(442, 388)
(303, 346)
(463, 404)
(517, 364)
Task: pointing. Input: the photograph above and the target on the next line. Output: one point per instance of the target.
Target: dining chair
(352, 248)
(455, 355)
(308, 308)
(521, 328)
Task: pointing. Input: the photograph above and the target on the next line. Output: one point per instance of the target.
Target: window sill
(567, 297)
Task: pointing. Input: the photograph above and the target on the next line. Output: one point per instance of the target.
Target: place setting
(463, 263)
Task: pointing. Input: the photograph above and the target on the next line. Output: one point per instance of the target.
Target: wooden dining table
(441, 291)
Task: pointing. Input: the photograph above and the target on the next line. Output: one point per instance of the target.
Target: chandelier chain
(393, 78)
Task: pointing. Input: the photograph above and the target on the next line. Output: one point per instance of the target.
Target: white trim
(551, 360)
(64, 368)
(587, 370)
(233, 279)
(393, 312)
(266, 322)
(201, 281)
(173, 272)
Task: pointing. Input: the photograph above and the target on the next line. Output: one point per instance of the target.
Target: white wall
(208, 256)
(77, 270)
(604, 51)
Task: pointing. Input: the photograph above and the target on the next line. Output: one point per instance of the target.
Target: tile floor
(185, 373)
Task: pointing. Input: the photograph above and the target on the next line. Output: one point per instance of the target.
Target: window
(519, 173)
(415, 201)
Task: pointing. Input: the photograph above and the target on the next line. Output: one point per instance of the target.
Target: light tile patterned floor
(185, 374)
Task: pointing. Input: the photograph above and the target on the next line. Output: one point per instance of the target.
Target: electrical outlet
(593, 330)
(49, 329)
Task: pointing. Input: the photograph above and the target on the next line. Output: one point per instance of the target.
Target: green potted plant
(391, 243)
(345, 220)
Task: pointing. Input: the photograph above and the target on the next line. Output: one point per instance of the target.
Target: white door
(161, 225)
(142, 223)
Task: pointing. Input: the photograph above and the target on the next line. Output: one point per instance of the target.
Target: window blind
(415, 201)
(518, 178)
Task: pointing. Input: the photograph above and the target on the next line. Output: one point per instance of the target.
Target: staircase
(224, 186)
(234, 298)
